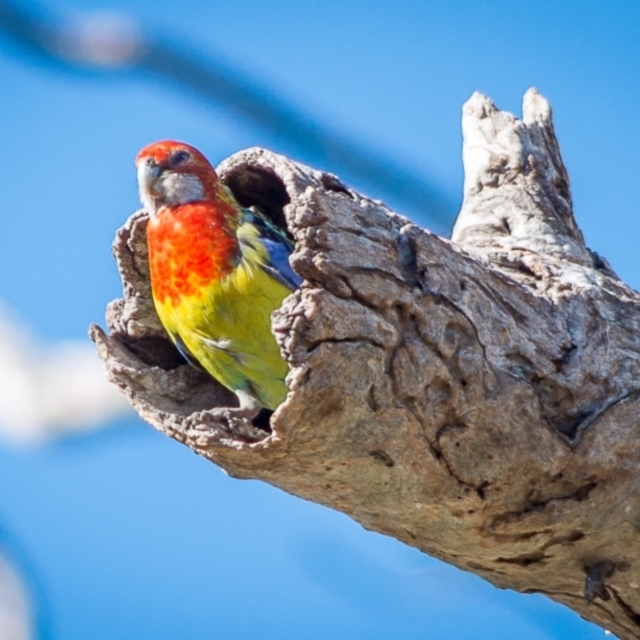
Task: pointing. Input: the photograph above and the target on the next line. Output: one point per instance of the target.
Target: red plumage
(193, 245)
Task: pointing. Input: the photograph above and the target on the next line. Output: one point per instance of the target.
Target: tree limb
(478, 398)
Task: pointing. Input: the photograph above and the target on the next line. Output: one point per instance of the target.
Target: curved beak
(148, 172)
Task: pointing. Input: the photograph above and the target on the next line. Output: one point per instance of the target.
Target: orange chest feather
(190, 247)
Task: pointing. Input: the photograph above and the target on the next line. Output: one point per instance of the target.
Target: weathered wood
(478, 399)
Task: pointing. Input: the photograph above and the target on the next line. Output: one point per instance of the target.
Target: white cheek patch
(180, 188)
(149, 203)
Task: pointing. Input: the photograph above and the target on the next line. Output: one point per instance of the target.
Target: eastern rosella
(218, 270)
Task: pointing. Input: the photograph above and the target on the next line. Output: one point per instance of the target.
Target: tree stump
(477, 398)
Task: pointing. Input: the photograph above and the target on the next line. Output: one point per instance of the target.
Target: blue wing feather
(279, 248)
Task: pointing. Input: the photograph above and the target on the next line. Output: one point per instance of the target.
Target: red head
(173, 173)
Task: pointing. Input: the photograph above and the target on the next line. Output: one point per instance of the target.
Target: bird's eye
(179, 157)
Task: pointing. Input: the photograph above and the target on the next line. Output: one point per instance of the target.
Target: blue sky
(127, 534)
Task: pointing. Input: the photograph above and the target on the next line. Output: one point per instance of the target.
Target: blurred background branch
(24, 611)
(113, 43)
(50, 389)
(15, 610)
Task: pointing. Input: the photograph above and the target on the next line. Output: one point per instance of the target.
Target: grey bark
(478, 398)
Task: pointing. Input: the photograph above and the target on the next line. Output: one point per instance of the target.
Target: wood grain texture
(477, 398)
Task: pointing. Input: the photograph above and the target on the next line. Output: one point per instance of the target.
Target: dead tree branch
(478, 399)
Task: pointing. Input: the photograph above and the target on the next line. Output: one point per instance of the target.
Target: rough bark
(478, 398)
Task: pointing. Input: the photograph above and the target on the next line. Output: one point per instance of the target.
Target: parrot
(218, 270)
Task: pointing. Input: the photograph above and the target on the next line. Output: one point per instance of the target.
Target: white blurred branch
(50, 389)
(15, 612)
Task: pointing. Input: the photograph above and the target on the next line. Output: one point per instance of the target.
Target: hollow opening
(261, 188)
